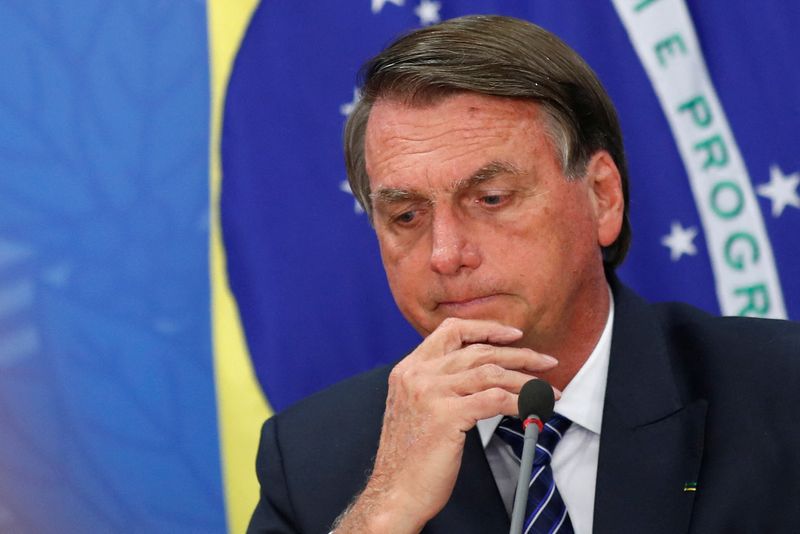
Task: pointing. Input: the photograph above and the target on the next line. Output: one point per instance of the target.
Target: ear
(605, 190)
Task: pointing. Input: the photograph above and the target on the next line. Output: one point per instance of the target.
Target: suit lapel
(651, 442)
(475, 505)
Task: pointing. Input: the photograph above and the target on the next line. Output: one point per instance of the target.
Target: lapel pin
(690, 486)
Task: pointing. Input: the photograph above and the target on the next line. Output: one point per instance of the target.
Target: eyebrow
(486, 173)
(388, 195)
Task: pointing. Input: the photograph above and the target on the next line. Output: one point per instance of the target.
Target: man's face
(475, 218)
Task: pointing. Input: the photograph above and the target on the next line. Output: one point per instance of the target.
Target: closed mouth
(465, 302)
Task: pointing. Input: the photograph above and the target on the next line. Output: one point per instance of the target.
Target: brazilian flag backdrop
(180, 254)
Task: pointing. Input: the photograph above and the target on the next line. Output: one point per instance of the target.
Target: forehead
(455, 135)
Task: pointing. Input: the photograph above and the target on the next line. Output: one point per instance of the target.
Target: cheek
(548, 243)
(397, 259)
(404, 269)
(408, 290)
(403, 252)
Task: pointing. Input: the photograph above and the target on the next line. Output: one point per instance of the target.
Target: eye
(407, 217)
(493, 200)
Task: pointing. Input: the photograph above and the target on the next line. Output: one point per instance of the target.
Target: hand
(461, 373)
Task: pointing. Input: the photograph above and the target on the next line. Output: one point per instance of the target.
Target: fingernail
(550, 359)
(557, 393)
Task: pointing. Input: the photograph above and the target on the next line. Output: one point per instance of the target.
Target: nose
(453, 246)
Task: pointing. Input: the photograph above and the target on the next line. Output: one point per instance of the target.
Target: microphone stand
(532, 424)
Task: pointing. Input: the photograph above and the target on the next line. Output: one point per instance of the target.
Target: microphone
(535, 403)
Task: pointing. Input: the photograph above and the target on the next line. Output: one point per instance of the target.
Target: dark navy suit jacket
(699, 435)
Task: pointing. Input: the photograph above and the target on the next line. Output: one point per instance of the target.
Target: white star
(347, 108)
(781, 190)
(428, 12)
(679, 241)
(377, 5)
(344, 187)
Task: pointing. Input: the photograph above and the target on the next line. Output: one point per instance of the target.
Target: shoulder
(690, 327)
(732, 356)
(350, 396)
(325, 442)
(338, 427)
(700, 345)
(708, 356)
(348, 409)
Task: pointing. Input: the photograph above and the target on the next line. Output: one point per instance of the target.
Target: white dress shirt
(575, 458)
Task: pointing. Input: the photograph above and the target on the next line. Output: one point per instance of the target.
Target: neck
(575, 342)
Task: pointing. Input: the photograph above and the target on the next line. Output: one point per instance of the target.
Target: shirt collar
(582, 400)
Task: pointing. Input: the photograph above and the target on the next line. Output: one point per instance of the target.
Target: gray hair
(497, 56)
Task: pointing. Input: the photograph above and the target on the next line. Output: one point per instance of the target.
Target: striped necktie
(545, 512)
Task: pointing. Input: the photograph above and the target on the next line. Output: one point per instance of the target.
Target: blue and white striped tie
(545, 512)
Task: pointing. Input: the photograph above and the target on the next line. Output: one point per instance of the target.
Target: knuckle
(449, 323)
(410, 379)
(481, 351)
(450, 328)
(397, 375)
(492, 371)
(422, 387)
(396, 372)
(496, 395)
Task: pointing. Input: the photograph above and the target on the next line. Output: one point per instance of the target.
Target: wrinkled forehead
(465, 121)
(456, 114)
(451, 146)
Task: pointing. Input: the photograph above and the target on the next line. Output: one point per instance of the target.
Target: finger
(484, 377)
(466, 411)
(484, 404)
(452, 334)
(520, 359)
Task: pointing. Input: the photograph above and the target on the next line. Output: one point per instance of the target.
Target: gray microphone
(535, 403)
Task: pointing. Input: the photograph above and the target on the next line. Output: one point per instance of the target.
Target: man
(490, 161)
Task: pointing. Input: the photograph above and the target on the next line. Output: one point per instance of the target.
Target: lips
(466, 302)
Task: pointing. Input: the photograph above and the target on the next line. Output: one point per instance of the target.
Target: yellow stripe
(241, 407)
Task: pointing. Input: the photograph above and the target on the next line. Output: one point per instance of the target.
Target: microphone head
(536, 398)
